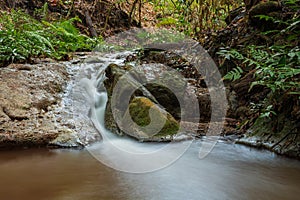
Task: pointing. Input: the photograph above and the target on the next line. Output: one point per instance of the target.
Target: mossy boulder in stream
(145, 120)
(114, 74)
(136, 109)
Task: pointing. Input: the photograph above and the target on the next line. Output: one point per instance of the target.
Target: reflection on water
(229, 172)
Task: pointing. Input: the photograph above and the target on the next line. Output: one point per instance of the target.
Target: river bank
(37, 107)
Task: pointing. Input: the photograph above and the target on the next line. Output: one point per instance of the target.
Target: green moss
(139, 112)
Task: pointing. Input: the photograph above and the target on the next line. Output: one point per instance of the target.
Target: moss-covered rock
(166, 98)
(133, 100)
(146, 121)
(114, 74)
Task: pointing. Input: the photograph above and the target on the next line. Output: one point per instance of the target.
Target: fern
(232, 53)
(266, 17)
(23, 37)
(234, 75)
(41, 39)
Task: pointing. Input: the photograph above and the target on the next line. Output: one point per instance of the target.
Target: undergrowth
(193, 16)
(277, 67)
(23, 38)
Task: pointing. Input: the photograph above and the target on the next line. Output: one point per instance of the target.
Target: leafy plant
(268, 112)
(234, 75)
(193, 16)
(23, 37)
(276, 67)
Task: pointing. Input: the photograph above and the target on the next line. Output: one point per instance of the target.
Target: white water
(123, 153)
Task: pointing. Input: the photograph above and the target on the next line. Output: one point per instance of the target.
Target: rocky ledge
(33, 108)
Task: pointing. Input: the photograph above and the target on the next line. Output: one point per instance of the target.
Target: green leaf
(282, 61)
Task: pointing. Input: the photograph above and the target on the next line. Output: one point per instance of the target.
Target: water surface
(228, 172)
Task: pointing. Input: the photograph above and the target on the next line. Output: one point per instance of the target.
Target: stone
(30, 97)
(166, 98)
(66, 139)
(114, 73)
(145, 120)
(133, 92)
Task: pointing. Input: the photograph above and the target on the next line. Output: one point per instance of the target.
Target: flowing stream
(230, 171)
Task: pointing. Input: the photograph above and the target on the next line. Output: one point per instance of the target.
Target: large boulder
(146, 121)
(29, 97)
(114, 73)
(134, 99)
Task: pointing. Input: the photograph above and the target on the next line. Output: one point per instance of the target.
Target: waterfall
(121, 153)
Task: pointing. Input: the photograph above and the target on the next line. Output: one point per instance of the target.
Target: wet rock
(187, 77)
(28, 94)
(67, 139)
(282, 140)
(135, 93)
(153, 123)
(166, 98)
(129, 85)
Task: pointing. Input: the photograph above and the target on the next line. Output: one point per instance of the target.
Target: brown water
(229, 172)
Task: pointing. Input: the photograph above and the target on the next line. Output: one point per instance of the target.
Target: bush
(22, 37)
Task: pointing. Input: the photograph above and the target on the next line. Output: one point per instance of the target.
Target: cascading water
(121, 153)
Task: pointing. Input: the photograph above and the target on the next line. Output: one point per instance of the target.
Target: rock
(114, 73)
(29, 96)
(282, 140)
(3, 117)
(67, 139)
(134, 93)
(149, 121)
(187, 73)
(166, 98)
(15, 113)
